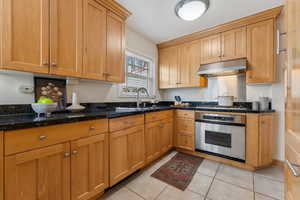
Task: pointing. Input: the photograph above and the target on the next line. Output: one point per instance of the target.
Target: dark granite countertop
(21, 121)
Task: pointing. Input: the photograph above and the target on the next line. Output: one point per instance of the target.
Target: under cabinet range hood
(223, 68)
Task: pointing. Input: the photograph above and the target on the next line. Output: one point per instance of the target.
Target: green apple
(45, 100)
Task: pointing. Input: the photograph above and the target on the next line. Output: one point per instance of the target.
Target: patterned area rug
(179, 171)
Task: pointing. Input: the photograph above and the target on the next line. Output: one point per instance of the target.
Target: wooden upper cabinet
(261, 52)
(211, 49)
(234, 44)
(39, 174)
(89, 167)
(189, 63)
(26, 35)
(115, 48)
(168, 68)
(94, 59)
(66, 37)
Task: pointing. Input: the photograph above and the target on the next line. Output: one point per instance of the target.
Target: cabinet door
(234, 44)
(89, 169)
(153, 141)
(136, 148)
(211, 49)
(189, 63)
(167, 131)
(185, 141)
(261, 53)
(168, 68)
(26, 35)
(266, 140)
(126, 152)
(66, 37)
(39, 174)
(94, 31)
(115, 48)
(119, 163)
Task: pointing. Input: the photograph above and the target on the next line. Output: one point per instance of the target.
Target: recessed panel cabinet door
(261, 52)
(89, 167)
(136, 148)
(167, 131)
(115, 48)
(168, 67)
(211, 49)
(234, 44)
(66, 37)
(38, 174)
(94, 28)
(26, 35)
(153, 141)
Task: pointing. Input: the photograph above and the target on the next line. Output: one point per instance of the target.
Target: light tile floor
(213, 181)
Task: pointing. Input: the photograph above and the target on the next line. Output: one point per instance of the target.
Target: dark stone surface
(14, 117)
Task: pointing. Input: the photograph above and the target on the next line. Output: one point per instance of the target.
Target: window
(139, 72)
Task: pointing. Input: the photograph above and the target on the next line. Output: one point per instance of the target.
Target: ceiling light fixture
(190, 10)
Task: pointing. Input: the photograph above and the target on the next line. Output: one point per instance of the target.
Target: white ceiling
(156, 20)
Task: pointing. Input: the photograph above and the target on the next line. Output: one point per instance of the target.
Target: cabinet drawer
(33, 138)
(185, 114)
(156, 116)
(98, 126)
(185, 141)
(117, 124)
(186, 126)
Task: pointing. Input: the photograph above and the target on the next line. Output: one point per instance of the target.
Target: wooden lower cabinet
(166, 137)
(152, 139)
(259, 137)
(39, 174)
(158, 138)
(185, 129)
(185, 141)
(127, 152)
(89, 167)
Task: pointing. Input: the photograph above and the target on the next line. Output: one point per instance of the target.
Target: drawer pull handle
(42, 137)
(292, 167)
(67, 155)
(92, 128)
(75, 152)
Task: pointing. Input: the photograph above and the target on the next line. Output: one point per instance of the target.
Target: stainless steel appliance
(222, 135)
(223, 68)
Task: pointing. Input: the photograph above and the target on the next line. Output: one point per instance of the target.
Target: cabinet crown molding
(258, 17)
(116, 8)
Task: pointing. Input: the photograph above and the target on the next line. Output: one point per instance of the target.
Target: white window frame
(152, 90)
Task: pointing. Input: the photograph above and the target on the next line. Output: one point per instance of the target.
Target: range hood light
(190, 10)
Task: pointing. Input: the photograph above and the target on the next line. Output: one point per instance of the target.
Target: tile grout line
(161, 192)
(273, 198)
(253, 186)
(134, 192)
(205, 197)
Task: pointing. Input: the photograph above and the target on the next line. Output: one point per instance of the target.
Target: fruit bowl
(44, 108)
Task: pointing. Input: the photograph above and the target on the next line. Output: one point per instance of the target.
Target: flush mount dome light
(190, 10)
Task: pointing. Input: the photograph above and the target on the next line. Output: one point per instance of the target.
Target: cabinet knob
(75, 152)
(54, 64)
(67, 154)
(92, 128)
(42, 137)
(46, 63)
(106, 74)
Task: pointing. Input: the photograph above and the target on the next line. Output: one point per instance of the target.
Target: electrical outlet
(26, 89)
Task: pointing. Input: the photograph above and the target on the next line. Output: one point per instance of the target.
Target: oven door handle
(219, 123)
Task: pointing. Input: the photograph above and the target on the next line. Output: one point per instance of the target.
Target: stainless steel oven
(222, 135)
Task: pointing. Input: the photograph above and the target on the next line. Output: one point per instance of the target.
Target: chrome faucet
(138, 100)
